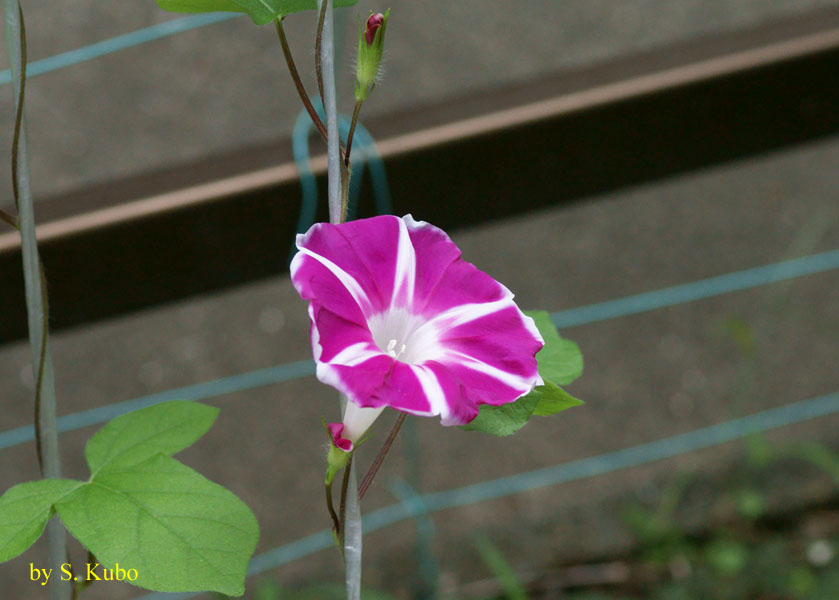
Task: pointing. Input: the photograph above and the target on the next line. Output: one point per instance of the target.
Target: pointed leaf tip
(25, 510)
(560, 360)
(164, 428)
(505, 419)
(553, 399)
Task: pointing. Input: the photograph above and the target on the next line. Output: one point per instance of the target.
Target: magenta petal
(335, 430)
(343, 334)
(498, 340)
(462, 283)
(435, 253)
(316, 282)
(365, 250)
(358, 382)
(400, 320)
(481, 387)
(403, 391)
(444, 280)
(378, 382)
(461, 408)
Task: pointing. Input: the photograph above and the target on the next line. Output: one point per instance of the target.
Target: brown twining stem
(44, 299)
(84, 583)
(91, 560)
(41, 361)
(336, 523)
(304, 97)
(43, 281)
(19, 111)
(345, 165)
(7, 218)
(345, 191)
(318, 37)
(69, 563)
(351, 133)
(380, 457)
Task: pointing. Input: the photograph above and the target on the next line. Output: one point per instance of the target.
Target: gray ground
(225, 86)
(647, 376)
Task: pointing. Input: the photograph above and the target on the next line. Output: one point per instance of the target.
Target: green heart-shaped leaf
(179, 530)
(560, 360)
(164, 428)
(261, 12)
(142, 509)
(25, 510)
(552, 399)
(199, 6)
(505, 419)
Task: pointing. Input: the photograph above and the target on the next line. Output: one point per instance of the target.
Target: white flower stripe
(433, 391)
(458, 315)
(357, 420)
(325, 373)
(354, 355)
(345, 278)
(317, 349)
(509, 379)
(404, 279)
(530, 325)
(413, 224)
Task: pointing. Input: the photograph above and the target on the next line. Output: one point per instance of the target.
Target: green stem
(352, 538)
(351, 524)
(343, 506)
(36, 305)
(336, 522)
(330, 106)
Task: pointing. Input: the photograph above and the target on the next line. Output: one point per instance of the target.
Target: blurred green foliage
(270, 590)
(747, 556)
(744, 558)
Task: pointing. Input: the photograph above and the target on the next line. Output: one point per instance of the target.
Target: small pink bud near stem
(335, 431)
(371, 41)
(373, 24)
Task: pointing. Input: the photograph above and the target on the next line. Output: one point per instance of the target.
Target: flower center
(391, 349)
(405, 337)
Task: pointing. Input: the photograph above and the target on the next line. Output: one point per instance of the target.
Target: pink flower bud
(373, 24)
(335, 431)
(371, 41)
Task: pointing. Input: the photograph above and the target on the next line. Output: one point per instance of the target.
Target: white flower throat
(391, 349)
(404, 336)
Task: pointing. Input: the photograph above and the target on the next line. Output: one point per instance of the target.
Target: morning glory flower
(400, 320)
